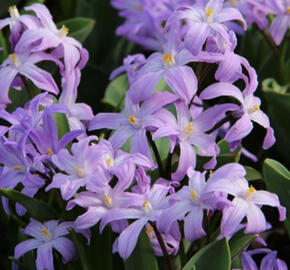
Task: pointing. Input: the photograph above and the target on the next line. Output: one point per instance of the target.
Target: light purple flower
(133, 122)
(48, 36)
(150, 207)
(25, 64)
(46, 237)
(249, 111)
(246, 203)
(191, 201)
(281, 22)
(205, 19)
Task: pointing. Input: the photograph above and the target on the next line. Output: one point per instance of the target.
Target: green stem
(156, 153)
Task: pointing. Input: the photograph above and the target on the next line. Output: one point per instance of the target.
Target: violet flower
(281, 22)
(191, 201)
(25, 64)
(246, 203)
(150, 207)
(205, 19)
(249, 111)
(46, 237)
(49, 36)
(133, 122)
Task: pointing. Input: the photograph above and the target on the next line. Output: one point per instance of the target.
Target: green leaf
(3, 45)
(80, 249)
(163, 146)
(36, 209)
(278, 108)
(116, 90)
(143, 256)
(226, 156)
(252, 174)
(277, 179)
(213, 256)
(61, 123)
(79, 28)
(239, 241)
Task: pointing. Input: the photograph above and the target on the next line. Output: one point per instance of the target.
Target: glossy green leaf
(163, 147)
(36, 209)
(226, 156)
(215, 255)
(143, 257)
(252, 174)
(239, 241)
(278, 110)
(61, 123)
(116, 90)
(277, 179)
(79, 28)
(80, 249)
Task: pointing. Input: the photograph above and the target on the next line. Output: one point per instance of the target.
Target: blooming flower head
(46, 237)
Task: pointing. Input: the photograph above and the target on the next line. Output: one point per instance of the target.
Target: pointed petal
(256, 219)
(44, 259)
(193, 229)
(90, 218)
(26, 246)
(65, 247)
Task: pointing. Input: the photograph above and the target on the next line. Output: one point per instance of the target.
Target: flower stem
(220, 123)
(156, 153)
(163, 247)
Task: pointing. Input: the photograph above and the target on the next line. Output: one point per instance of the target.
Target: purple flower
(46, 237)
(170, 65)
(80, 168)
(133, 122)
(248, 112)
(48, 36)
(269, 262)
(246, 203)
(205, 19)
(190, 131)
(18, 23)
(25, 64)
(150, 207)
(191, 201)
(281, 22)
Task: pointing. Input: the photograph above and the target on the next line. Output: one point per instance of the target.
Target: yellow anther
(193, 194)
(80, 172)
(63, 32)
(109, 162)
(208, 12)
(13, 11)
(139, 7)
(256, 107)
(17, 168)
(149, 230)
(233, 2)
(147, 206)
(45, 232)
(168, 60)
(108, 201)
(49, 151)
(132, 119)
(250, 191)
(36, 174)
(189, 128)
(15, 60)
(288, 10)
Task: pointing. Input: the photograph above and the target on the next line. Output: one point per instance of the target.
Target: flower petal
(193, 224)
(65, 247)
(44, 259)
(26, 246)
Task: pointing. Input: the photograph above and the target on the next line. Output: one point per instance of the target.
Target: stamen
(168, 60)
(109, 162)
(147, 206)
(15, 60)
(108, 201)
(13, 11)
(49, 151)
(149, 230)
(63, 32)
(250, 191)
(139, 7)
(133, 120)
(233, 2)
(189, 128)
(193, 194)
(80, 172)
(17, 168)
(288, 10)
(254, 108)
(209, 14)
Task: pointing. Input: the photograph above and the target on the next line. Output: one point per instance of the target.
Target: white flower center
(15, 60)
(14, 13)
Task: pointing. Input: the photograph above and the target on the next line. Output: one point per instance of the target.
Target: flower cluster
(117, 187)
